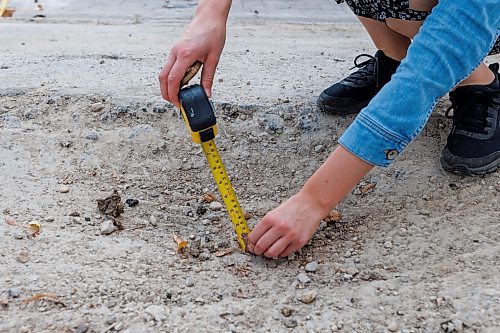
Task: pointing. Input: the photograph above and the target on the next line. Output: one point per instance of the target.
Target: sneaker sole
(341, 110)
(463, 169)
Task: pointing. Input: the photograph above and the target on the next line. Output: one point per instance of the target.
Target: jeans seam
(378, 129)
(363, 158)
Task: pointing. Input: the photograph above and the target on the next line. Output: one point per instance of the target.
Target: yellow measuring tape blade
(226, 190)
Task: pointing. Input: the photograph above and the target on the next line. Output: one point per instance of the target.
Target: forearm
(335, 179)
(213, 9)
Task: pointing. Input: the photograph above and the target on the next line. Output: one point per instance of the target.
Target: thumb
(208, 73)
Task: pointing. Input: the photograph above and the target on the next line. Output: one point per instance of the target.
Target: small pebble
(459, 325)
(287, 311)
(303, 278)
(319, 148)
(200, 210)
(392, 326)
(23, 256)
(388, 244)
(153, 221)
(14, 292)
(63, 189)
(107, 227)
(215, 205)
(347, 277)
(92, 136)
(290, 322)
(189, 282)
(111, 304)
(352, 271)
(111, 319)
(96, 107)
(308, 296)
(232, 328)
(312, 267)
(154, 194)
(132, 202)
(49, 219)
(81, 328)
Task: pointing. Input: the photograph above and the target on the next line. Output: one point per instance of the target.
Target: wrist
(313, 202)
(213, 10)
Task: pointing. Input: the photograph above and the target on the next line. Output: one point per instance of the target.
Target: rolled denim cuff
(371, 142)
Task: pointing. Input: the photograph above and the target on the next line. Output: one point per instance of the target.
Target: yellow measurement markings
(198, 114)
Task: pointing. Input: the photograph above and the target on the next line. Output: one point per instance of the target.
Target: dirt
(416, 249)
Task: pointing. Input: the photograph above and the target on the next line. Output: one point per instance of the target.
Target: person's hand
(287, 228)
(203, 41)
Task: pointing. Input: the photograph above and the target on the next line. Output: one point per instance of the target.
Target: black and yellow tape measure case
(198, 113)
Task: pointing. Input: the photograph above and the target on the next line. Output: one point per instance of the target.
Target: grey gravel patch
(139, 130)
(92, 136)
(160, 107)
(11, 122)
(109, 115)
(308, 120)
(30, 114)
(272, 123)
(111, 319)
(82, 328)
(290, 322)
(157, 313)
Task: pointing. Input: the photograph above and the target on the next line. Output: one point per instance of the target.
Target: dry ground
(418, 253)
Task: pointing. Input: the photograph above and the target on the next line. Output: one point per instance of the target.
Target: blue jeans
(453, 40)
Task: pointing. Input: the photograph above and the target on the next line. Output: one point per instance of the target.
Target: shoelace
(475, 120)
(366, 69)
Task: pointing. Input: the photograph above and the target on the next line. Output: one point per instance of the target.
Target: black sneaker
(355, 91)
(473, 146)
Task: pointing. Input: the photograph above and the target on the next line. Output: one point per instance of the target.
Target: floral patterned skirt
(380, 10)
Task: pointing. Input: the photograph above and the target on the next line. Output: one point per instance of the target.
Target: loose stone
(312, 267)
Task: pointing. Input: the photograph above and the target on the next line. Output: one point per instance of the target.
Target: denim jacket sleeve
(451, 43)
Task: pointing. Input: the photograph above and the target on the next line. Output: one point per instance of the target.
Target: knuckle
(208, 79)
(266, 221)
(171, 79)
(161, 76)
(302, 240)
(185, 52)
(293, 235)
(282, 227)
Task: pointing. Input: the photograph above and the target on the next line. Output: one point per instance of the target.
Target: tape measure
(198, 114)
